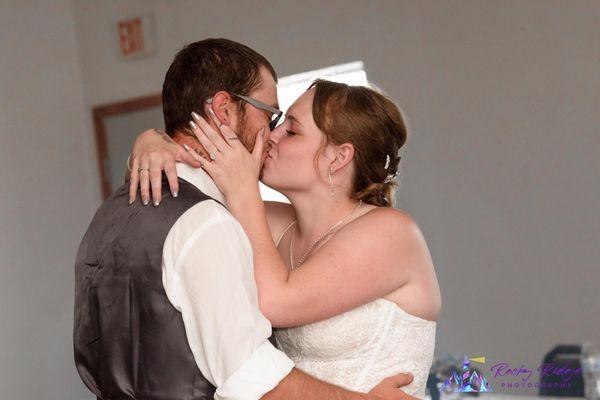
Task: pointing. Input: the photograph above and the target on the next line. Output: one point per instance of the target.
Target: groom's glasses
(276, 113)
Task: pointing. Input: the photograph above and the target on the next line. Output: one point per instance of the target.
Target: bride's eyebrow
(293, 119)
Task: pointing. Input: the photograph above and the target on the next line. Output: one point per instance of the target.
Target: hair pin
(390, 177)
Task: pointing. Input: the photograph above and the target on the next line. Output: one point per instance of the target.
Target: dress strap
(284, 232)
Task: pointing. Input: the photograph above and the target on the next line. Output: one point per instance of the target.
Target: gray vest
(129, 340)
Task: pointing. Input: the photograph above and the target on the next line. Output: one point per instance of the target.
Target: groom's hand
(389, 388)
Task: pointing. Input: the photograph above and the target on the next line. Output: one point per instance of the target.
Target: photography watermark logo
(468, 380)
(550, 375)
(506, 376)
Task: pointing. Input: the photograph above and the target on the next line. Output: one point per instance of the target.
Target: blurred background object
(565, 356)
(590, 363)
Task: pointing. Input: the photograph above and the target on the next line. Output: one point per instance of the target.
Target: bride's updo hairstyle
(373, 124)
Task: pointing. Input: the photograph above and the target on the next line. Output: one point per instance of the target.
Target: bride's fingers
(171, 173)
(144, 173)
(229, 134)
(184, 156)
(156, 167)
(206, 165)
(259, 144)
(134, 180)
(214, 136)
(195, 155)
(204, 141)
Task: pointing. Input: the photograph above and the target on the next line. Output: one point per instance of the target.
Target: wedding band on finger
(233, 138)
(143, 169)
(213, 156)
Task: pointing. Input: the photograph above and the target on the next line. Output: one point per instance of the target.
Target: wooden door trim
(103, 111)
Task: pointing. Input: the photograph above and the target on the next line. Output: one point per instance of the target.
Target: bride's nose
(276, 135)
(268, 146)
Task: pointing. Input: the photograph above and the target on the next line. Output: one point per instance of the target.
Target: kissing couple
(214, 293)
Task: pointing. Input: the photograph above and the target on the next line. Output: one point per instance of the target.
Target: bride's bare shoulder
(279, 215)
(388, 219)
(395, 230)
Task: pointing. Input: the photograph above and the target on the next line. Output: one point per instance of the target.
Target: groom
(165, 301)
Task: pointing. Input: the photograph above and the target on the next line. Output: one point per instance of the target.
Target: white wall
(501, 172)
(47, 198)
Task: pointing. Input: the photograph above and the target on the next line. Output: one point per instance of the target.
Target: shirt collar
(200, 179)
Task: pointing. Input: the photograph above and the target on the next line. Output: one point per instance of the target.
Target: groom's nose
(275, 135)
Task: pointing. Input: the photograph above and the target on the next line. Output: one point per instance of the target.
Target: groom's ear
(222, 105)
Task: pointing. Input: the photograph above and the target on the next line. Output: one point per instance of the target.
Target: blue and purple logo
(520, 377)
(506, 376)
(469, 380)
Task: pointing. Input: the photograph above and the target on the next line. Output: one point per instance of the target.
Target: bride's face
(290, 162)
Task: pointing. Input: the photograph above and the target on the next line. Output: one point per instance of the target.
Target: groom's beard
(248, 139)
(245, 137)
(266, 149)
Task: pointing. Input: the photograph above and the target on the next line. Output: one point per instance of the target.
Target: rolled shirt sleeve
(208, 276)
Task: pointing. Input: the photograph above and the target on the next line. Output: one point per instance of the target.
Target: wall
(501, 171)
(47, 198)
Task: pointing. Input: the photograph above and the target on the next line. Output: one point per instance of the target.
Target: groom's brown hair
(203, 68)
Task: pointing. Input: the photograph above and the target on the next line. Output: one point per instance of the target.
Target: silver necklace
(316, 242)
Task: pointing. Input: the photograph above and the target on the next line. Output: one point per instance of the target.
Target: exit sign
(136, 36)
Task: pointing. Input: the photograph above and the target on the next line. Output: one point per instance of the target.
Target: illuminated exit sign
(136, 36)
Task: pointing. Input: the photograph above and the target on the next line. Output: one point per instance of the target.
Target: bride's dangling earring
(331, 190)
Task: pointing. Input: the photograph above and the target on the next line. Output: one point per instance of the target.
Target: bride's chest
(345, 334)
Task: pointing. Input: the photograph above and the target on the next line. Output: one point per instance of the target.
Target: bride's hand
(389, 388)
(153, 152)
(233, 168)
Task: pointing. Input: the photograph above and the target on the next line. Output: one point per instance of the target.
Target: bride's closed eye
(290, 133)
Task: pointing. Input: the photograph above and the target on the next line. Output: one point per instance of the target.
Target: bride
(346, 278)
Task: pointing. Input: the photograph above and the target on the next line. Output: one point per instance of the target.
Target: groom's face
(253, 119)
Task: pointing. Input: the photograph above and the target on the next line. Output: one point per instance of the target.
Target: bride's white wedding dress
(359, 348)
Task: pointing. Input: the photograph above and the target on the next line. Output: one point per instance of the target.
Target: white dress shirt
(208, 276)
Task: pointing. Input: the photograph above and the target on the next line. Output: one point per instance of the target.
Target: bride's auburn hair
(373, 124)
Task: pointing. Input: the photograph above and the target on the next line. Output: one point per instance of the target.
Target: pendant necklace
(316, 242)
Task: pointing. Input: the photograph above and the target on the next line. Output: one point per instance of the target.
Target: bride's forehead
(303, 104)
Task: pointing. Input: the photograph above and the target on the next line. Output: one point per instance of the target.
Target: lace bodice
(360, 347)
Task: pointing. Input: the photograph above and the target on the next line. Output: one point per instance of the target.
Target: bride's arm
(153, 152)
(371, 257)
(368, 258)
